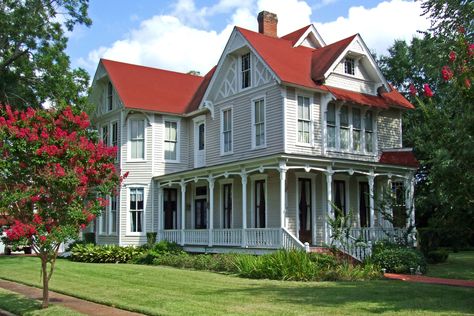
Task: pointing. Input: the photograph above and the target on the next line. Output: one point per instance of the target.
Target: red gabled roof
(401, 157)
(294, 36)
(357, 97)
(197, 97)
(152, 89)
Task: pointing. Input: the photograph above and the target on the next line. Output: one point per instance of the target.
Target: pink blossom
(427, 90)
(412, 89)
(452, 56)
(447, 73)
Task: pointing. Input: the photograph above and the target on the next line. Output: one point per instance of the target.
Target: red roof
(152, 89)
(401, 157)
(357, 97)
(294, 36)
(197, 97)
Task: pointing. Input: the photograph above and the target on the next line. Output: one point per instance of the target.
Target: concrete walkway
(82, 306)
(429, 280)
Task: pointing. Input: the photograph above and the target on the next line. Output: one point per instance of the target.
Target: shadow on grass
(369, 297)
(14, 303)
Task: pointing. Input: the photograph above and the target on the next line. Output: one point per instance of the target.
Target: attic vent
(267, 23)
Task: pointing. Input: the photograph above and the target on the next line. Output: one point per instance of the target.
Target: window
(356, 129)
(227, 205)
(171, 140)
(349, 66)
(201, 136)
(339, 197)
(364, 204)
(331, 125)
(114, 141)
(103, 222)
(113, 215)
(200, 208)
(398, 204)
(227, 131)
(369, 131)
(110, 100)
(259, 204)
(136, 210)
(349, 129)
(259, 123)
(246, 74)
(105, 134)
(304, 208)
(304, 120)
(137, 139)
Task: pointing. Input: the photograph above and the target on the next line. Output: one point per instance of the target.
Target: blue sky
(190, 34)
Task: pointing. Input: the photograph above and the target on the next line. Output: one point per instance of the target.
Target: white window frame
(143, 232)
(178, 138)
(351, 60)
(254, 178)
(223, 153)
(103, 220)
(254, 131)
(311, 121)
(109, 209)
(241, 78)
(129, 140)
(221, 202)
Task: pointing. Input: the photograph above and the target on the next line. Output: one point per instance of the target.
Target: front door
(200, 216)
(304, 206)
(199, 145)
(170, 198)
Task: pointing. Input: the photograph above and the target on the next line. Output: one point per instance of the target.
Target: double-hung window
(259, 123)
(113, 215)
(331, 125)
(105, 134)
(137, 139)
(114, 138)
(349, 66)
(136, 210)
(227, 130)
(171, 140)
(304, 120)
(369, 132)
(344, 128)
(110, 99)
(246, 71)
(356, 130)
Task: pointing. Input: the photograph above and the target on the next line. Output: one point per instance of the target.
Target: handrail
(289, 241)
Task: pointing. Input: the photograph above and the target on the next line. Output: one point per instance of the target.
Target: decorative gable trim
(311, 31)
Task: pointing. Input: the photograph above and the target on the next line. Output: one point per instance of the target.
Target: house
(281, 135)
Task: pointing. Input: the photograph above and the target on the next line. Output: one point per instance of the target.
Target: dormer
(306, 36)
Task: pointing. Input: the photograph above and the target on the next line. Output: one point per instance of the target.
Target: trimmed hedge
(397, 259)
(104, 254)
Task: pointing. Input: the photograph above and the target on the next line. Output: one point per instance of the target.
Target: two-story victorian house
(260, 152)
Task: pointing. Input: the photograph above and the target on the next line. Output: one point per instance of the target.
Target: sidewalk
(82, 306)
(429, 280)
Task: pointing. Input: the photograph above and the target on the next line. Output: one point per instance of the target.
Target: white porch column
(410, 205)
(244, 176)
(183, 210)
(327, 228)
(211, 209)
(283, 171)
(389, 209)
(160, 212)
(371, 179)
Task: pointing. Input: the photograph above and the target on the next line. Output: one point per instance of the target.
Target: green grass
(21, 305)
(169, 291)
(460, 265)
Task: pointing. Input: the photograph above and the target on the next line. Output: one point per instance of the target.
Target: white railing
(377, 233)
(172, 235)
(227, 237)
(263, 237)
(355, 248)
(290, 242)
(196, 237)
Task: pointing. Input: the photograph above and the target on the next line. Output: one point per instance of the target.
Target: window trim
(254, 131)
(353, 61)
(129, 140)
(109, 103)
(253, 179)
(223, 109)
(311, 121)
(128, 231)
(241, 78)
(109, 209)
(178, 138)
(221, 202)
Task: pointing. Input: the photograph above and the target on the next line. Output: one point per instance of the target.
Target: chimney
(267, 23)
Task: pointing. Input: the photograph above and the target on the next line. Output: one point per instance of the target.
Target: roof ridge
(151, 68)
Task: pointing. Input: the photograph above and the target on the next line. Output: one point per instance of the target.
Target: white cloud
(379, 26)
(180, 41)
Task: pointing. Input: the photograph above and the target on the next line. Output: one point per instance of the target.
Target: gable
(307, 36)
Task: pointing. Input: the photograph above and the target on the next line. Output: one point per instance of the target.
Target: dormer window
(246, 76)
(349, 66)
(110, 96)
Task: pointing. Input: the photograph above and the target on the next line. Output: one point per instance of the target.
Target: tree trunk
(44, 269)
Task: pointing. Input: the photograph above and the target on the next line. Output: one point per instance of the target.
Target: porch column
(330, 214)
(371, 178)
(388, 208)
(160, 212)
(244, 176)
(211, 209)
(283, 171)
(183, 210)
(410, 205)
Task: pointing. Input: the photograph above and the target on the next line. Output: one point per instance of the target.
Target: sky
(189, 35)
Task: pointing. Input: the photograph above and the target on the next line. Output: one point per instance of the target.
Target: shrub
(89, 238)
(437, 256)
(397, 259)
(104, 254)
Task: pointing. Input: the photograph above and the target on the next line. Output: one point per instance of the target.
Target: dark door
(170, 197)
(200, 214)
(259, 204)
(305, 205)
(364, 213)
(227, 205)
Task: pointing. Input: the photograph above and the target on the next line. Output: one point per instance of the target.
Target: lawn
(168, 291)
(460, 265)
(21, 305)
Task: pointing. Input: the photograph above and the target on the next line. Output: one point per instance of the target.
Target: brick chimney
(267, 23)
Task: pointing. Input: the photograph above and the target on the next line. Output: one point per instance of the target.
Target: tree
(436, 73)
(33, 65)
(54, 177)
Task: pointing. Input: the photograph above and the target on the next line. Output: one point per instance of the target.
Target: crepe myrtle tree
(55, 175)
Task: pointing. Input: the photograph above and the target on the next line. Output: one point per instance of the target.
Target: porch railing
(377, 233)
(172, 235)
(290, 242)
(196, 237)
(263, 237)
(227, 237)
